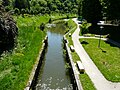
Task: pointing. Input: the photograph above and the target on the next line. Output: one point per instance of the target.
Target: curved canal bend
(53, 75)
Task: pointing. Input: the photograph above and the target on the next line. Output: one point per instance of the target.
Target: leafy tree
(7, 8)
(5, 2)
(16, 11)
(80, 8)
(42, 3)
(53, 7)
(42, 26)
(50, 20)
(91, 10)
(21, 4)
(8, 30)
(47, 6)
(23, 12)
(75, 10)
(113, 9)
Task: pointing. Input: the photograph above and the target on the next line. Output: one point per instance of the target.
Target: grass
(72, 27)
(106, 58)
(85, 80)
(16, 66)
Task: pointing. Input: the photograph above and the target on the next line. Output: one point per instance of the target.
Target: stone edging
(76, 75)
(32, 77)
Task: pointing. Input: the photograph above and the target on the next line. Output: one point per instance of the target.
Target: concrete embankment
(36, 67)
(75, 74)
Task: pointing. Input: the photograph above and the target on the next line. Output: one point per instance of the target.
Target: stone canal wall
(75, 74)
(33, 76)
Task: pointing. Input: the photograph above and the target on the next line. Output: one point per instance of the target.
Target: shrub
(50, 20)
(84, 27)
(16, 11)
(23, 12)
(67, 16)
(42, 26)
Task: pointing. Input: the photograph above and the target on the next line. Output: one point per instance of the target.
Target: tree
(42, 26)
(8, 30)
(113, 9)
(5, 2)
(80, 8)
(42, 3)
(23, 12)
(91, 11)
(21, 4)
(16, 11)
(50, 20)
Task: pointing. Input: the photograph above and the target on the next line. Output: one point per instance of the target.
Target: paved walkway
(97, 78)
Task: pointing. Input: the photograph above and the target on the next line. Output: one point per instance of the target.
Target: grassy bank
(107, 58)
(15, 67)
(85, 80)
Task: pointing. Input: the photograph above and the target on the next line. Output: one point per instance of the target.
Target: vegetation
(21, 4)
(15, 67)
(72, 29)
(103, 58)
(5, 2)
(111, 9)
(8, 30)
(84, 27)
(101, 8)
(42, 26)
(43, 6)
(86, 82)
(91, 10)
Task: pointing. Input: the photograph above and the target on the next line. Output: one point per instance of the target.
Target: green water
(53, 74)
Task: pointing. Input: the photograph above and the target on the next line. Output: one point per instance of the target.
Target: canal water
(53, 75)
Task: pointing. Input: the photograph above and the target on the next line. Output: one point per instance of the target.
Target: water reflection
(59, 29)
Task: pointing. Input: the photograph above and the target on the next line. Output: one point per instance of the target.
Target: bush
(84, 27)
(8, 30)
(42, 26)
(50, 20)
(16, 11)
(67, 16)
(23, 12)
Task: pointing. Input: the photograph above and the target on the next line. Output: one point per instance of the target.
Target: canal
(53, 75)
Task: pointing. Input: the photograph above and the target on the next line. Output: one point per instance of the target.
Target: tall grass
(16, 66)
